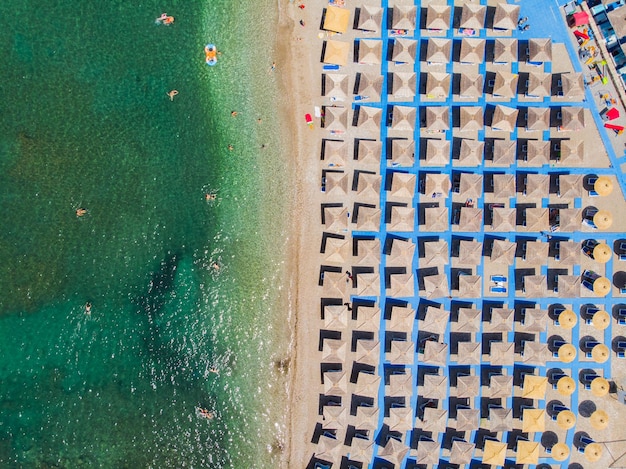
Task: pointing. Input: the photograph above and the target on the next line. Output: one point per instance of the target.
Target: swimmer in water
(80, 212)
(209, 196)
(171, 94)
(88, 308)
(204, 413)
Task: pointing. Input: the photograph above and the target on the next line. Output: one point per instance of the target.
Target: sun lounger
(498, 289)
(498, 278)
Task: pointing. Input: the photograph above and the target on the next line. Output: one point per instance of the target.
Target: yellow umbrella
(527, 452)
(600, 353)
(601, 286)
(603, 219)
(566, 419)
(533, 420)
(534, 387)
(494, 453)
(602, 253)
(603, 186)
(601, 320)
(568, 319)
(599, 420)
(567, 353)
(560, 452)
(566, 386)
(593, 452)
(599, 387)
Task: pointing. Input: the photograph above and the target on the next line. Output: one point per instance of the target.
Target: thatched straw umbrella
(369, 219)
(335, 118)
(436, 286)
(328, 449)
(335, 86)
(568, 286)
(570, 185)
(404, 50)
(534, 286)
(471, 85)
(470, 252)
(402, 252)
(502, 353)
(435, 353)
(471, 219)
(435, 386)
(369, 84)
(402, 186)
(336, 219)
(435, 321)
(334, 417)
(538, 119)
(573, 118)
(436, 252)
(469, 353)
(535, 353)
(404, 84)
(471, 118)
(471, 152)
(336, 52)
(505, 84)
(494, 453)
(503, 220)
(370, 51)
(402, 152)
(403, 17)
(603, 186)
(361, 449)
(438, 50)
(500, 387)
(572, 152)
(570, 219)
(537, 219)
(471, 185)
(335, 152)
(470, 286)
(501, 320)
(336, 184)
(504, 152)
(503, 251)
(472, 51)
(505, 50)
(438, 16)
(504, 118)
(534, 387)
(473, 16)
(368, 284)
(527, 452)
(370, 18)
(368, 187)
(535, 320)
(437, 152)
(537, 186)
(573, 86)
(504, 185)
(467, 420)
(438, 86)
(506, 16)
(334, 351)
(537, 153)
(403, 118)
(402, 352)
(427, 452)
(533, 420)
(436, 218)
(400, 419)
(394, 451)
(401, 386)
(536, 252)
(540, 50)
(539, 84)
(368, 351)
(368, 252)
(437, 185)
(500, 420)
(402, 219)
(434, 420)
(336, 19)
(368, 119)
(336, 383)
(468, 386)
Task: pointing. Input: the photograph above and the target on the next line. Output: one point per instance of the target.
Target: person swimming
(204, 413)
(171, 94)
(88, 308)
(80, 212)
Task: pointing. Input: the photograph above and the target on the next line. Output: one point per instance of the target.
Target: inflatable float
(210, 53)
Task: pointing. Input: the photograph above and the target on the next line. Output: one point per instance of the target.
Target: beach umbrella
(534, 387)
(502, 353)
(400, 419)
(402, 152)
(467, 420)
(404, 51)
(540, 50)
(428, 452)
(335, 118)
(603, 219)
(506, 16)
(368, 152)
(601, 286)
(527, 452)
(536, 252)
(368, 351)
(471, 152)
(438, 50)
(537, 219)
(470, 286)
(366, 418)
(569, 185)
(403, 118)
(471, 186)
(601, 320)
(462, 452)
(472, 50)
(570, 219)
(370, 18)
(434, 420)
(401, 386)
(336, 19)
(436, 218)
(599, 420)
(328, 449)
(334, 417)
(538, 154)
(368, 284)
(501, 320)
(567, 319)
(394, 451)
(535, 353)
(500, 387)
(573, 118)
(572, 152)
(336, 383)
(473, 16)
(368, 319)
(534, 286)
(438, 16)
(602, 253)
(402, 352)
(468, 386)
(437, 152)
(402, 252)
(539, 84)
(537, 185)
(403, 17)
(369, 219)
(435, 353)
(437, 118)
(569, 253)
(402, 219)
(367, 385)
(533, 420)
(470, 252)
(494, 453)
(471, 219)
(566, 386)
(560, 452)
(335, 152)
(437, 86)
(504, 219)
(600, 353)
(437, 185)
(336, 184)
(538, 119)
(368, 251)
(336, 52)
(568, 286)
(505, 50)
(402, 285)
(335, 85)
(436, 252)
(603, 186)
(361, 449)
(504, 118)
(505, 84)
(370, 51)
(471, 85)
(336, 317)
(435, 320)
(402, 186)
(469, 353)
(334, 351)
(566, 419)
(368, 119)
(593, 452)
(403, 86)
(500, 420)
(471, 119)
(368, 187)
(504, 152)
(334, 285)
(503, 251)
(369, 84)
(573, 86)
(567, 353)
(337, 250)
(599, 387)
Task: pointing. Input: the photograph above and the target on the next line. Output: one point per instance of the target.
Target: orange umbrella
(599, 420)
(603, 186)
(603, 219)
(593, 452)
(599, 387)
(601, 320)
(566, 419)
(568, 319)
(602, 253)
(601, 286)
(566, 386)
(560, 452)
(600, 353)
(567, 353)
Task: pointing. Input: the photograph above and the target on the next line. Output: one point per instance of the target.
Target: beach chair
(621, 316)
(498, 279)
(497, 289)
(621, 349)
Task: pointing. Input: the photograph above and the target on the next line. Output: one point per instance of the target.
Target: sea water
(179, 286)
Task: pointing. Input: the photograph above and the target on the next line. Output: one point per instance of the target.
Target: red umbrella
(309, 120)
(612, 113)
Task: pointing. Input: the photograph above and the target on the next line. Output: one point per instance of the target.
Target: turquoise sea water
(85, 122)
